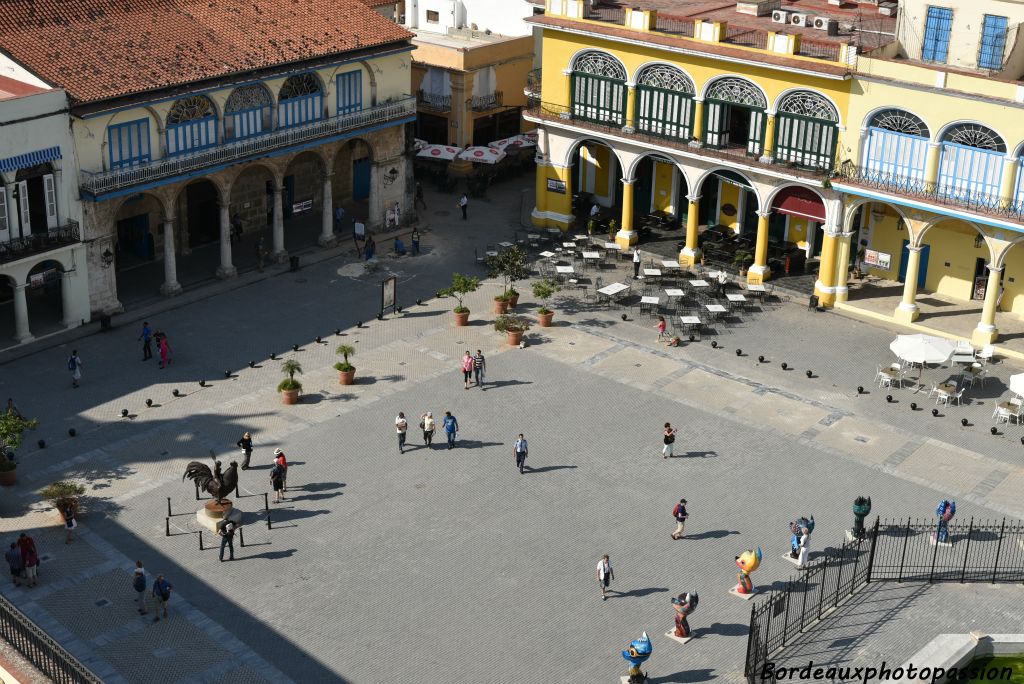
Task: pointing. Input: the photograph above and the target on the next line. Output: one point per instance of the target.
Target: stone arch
(573, 149)
(699, 183)
(248, 111)
(796, 99)
(165, 203)
(968, 129)
(630, 170)
(747, 92)
(919, 238)
(771, 197)
(189, 107)
(197, 211)
(604, 64)
(667, 70)
(877, 112)
(851, 210)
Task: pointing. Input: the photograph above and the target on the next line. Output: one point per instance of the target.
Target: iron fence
(892, 551)
(435, 101)
(39, 243)
(45, 654)
(481, 103)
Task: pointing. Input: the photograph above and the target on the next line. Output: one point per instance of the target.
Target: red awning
(798, 201)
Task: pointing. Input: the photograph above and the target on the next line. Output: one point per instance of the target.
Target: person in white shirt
(636, 264)
(723, 280)
(805, 541)
(605, 575)
(463, 204)
(428, 426)
(520, 450)
(595, 210)
(401, 425)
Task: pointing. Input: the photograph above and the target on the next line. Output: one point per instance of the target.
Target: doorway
(922, 271)
(203, 214)
(361, 178)
(134, 238)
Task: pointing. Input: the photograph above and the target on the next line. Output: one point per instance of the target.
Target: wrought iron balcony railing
(40, 649)
(946, 195)
(102, 182)
(481, 103)
(435, 101)
(39, 243)
(532, 89)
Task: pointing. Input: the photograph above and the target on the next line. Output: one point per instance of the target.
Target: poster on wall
(980, 285)
(876, 259)
(302, 207)
(388, 294)
(557, 186)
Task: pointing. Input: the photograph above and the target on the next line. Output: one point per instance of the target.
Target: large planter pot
(513, 300)
(544, 319)
(514, 337)
(500, 306)
(8, 477)
(461, 319)
(347, 377)
(289, 397)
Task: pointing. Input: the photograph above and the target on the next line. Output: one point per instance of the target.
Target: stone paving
(440, 565)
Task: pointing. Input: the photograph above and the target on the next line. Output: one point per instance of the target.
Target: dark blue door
(922, 271)
(133, 236)
(361, 178)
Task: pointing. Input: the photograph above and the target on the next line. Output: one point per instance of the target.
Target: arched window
(806, 130)
(734, 115)
(598, 88)
(665, 102)
(191, 125)
(896, 148)
(971, 164)
(247, 112)
(300, 100)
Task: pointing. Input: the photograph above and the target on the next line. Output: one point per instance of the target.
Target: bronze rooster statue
(218, 484)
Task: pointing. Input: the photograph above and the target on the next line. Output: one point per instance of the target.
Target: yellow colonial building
(803, 131)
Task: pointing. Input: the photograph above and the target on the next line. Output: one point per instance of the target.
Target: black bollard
(71, 432)
(380, 317)
(860, 389)
(785, 365)
(201, 541)
(913, 406)
(337, 331)
(318, 339)
(41, 443)
(273, 356)
(268, 521)
(124, 413)
(963, 421)
(167, 526)
(739, 352)
(760, 359)
(623, 316)
(994, 430)
(149, 402)
(888, 398)
(295, 347)
(252, 364)
(419, 301)
(202, 383)
(169, 514)
(810, 374)
(714, 344)
(241, 537)
(176, 393)
(359, 324)
(266, 502)
(227, 374)
(693, 337)
(935, 412)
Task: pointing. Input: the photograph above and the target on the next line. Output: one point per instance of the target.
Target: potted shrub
(544, 290)
(591, 226)
(12, 430)
(63, 495)
(346, 371)
(510, 265)
(613, 229)
(461, 286)
(501, 303)
(290, 387)
(742, 259)
(513, 327)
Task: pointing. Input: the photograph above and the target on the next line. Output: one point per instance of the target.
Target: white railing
(237, 150)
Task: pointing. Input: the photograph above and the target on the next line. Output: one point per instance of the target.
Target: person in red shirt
(280, 459)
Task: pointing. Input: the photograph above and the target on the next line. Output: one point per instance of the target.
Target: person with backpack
(227, 539)
(139, 585)
(280, 459)
(451, 428)
(605, 575)
(161, 595)
(277, 481)
(75, 366)
(680, 514)
(669, 438)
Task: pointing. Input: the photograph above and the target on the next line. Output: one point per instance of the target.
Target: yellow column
(769, 140)
(690, 254)
(539, 215)
(1008, 183)
(907, 311)
(630, 126)
(931, 166)
(626, 238)
(825, 287)
(987, 332)
(698, 122)
(843, 267)
(759, 271)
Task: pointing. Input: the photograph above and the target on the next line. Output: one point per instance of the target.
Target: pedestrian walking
(401, 426)
(415, 240)
(75, 366)
(521, 450)
(139, 585)
(69, 524)
(339, 217)
(669, 437)
(662, 329)
(636, 264)
(680, 514)
(147, 338)
(236, 228)
(227, 539)
(165, 349)
(12, 409)
(723, 280)
(428, 426)
(282, 460)
(371, 247)
(277, 481)
(245, 444)
(805, 548)
(161, 596)
(605, 575)
(261, 254)
(464, 205)
(479, 367)
(467, 368)
(15, 563)
(30, 559)
(419, 197)
(451, 428)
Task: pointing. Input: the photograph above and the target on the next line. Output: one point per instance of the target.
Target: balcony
(235, 151)
(532, 88)
(562, 114)
(40, 243)
(849, 174)
(433, 101)
(483, 103)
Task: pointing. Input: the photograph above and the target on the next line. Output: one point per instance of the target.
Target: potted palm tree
(461, 286)
(12, 430)
(290, 387)
(346, 371)
(513, 327)
(544, 290)
(613, 229)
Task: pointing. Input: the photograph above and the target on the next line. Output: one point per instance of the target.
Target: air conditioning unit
(799, 19)
(826, 24)
(780, 16)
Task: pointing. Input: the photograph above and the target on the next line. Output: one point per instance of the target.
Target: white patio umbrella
(442, 152)
(505, 142)
(1017, 384)
(482, 155)
(922, 348)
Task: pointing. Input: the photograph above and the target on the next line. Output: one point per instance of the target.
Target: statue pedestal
(671, 634)
(933, 541)
(851, 537)
(213, 513)
(794, 561)
(745, 597)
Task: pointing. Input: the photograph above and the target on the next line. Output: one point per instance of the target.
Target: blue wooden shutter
(936, 34)
(128, 143)
(993, 40)
(350, 92)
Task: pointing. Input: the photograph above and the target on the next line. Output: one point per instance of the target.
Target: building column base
(826, 293)
(842, 293)
(22, 339)
(626, 238)
(170, 289)
(279, 257)
(906, 313)
(982, 335)
(757, 275)
(689, 257)
(226, 272)
(327, 241)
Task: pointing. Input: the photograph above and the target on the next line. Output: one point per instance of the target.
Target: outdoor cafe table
(674, 292)
(648, 301)
(613, 245)
(547, 255)
(690, 322)
(670, 264)
(756, 288)
(963, 358)
(491, 252)
(580, 236)
(505, 244)
(564, 269)
(699, 283)
(735, 297)
(533, 236)
(591, 255)
(613, 289)
(569, 245)
(716, 309)
(656, 272)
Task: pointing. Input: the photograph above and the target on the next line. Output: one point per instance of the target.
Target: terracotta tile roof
(11, 88)
(99, 49)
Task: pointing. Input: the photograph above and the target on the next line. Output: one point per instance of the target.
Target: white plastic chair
(986, 354)
(958, 397)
